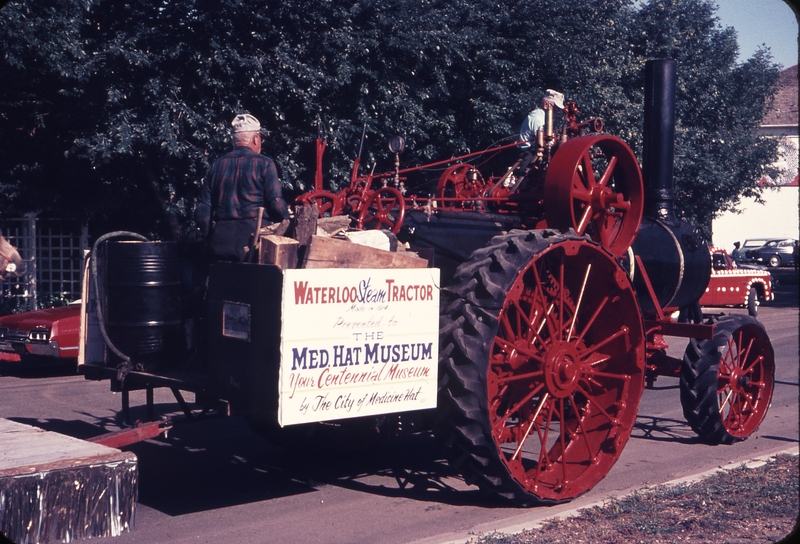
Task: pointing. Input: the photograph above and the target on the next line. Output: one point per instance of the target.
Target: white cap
(244, 122)
(555, 97)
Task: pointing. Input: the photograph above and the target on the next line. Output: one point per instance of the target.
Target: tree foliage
(112, 111)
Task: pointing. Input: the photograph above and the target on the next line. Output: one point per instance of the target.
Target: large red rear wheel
(542, 366)
(727, 382)
(594, 186)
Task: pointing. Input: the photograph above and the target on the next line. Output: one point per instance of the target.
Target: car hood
(29, 320)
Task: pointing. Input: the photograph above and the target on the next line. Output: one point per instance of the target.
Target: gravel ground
(748, 504)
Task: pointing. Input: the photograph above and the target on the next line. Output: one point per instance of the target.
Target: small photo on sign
(236, 320)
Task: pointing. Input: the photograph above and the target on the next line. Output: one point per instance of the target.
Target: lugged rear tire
(539, 416)
(727, 382)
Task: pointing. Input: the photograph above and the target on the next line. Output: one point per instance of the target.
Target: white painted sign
(357, 342)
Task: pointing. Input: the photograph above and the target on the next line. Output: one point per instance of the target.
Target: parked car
(774, 252)
(52, 332)
(729, 285)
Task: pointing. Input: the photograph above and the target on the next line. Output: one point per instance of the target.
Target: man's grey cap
(244, 122)
(555, 97)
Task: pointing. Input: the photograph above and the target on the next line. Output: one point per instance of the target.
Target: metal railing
(53, 251)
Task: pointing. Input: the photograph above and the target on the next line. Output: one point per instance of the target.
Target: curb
(536, 523)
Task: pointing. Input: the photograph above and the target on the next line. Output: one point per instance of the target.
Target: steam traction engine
(559, 279)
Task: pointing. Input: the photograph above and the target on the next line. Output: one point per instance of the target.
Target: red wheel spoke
(544, 454)
(538, 411)
(746, 356)
(606, 177)
(509, 347)
(579, 193)
(588, 326)
(588, 170)
(584, 220)
(581, 429)
(610, 375)
(519, 377)
(513, 410)
(614, 421)
(533, 332)
(547, 319)
(621, 333)
(580, 299)
(563, 439)
(512, 332)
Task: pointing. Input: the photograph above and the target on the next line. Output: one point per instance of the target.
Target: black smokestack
(659, 137)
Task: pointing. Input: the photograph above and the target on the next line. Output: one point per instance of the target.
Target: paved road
(215, 481)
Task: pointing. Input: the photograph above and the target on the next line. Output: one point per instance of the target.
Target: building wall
(777, 217)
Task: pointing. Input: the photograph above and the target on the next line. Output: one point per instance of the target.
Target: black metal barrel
(143, 299)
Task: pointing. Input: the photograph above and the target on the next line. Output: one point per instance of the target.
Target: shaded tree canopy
(112, 111)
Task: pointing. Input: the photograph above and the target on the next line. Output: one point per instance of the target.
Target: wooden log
(333, 225)
(306, 224)
(324, 252)
(279, 250)
(56, 488)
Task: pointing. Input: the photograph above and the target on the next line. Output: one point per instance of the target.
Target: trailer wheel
(542, 366)
(727, 382)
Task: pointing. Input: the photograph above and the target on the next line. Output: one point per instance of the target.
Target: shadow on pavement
(663, 430)
(220, 462)
(39, 368)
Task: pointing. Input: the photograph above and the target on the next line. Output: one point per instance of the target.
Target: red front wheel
(727, 382)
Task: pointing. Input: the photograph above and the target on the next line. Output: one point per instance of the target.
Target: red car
(52, 332)
(739, 286)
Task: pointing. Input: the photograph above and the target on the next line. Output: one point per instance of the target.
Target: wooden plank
(324, 252)
(279, 250)
(58, 489)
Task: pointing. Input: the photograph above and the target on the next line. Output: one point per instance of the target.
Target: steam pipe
(675, 256)
(659, 138)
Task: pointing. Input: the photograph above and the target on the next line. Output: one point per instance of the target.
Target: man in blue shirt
(528, 132)
(238, 184)
(736, 256)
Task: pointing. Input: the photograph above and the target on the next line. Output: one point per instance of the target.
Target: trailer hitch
(138, 433)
